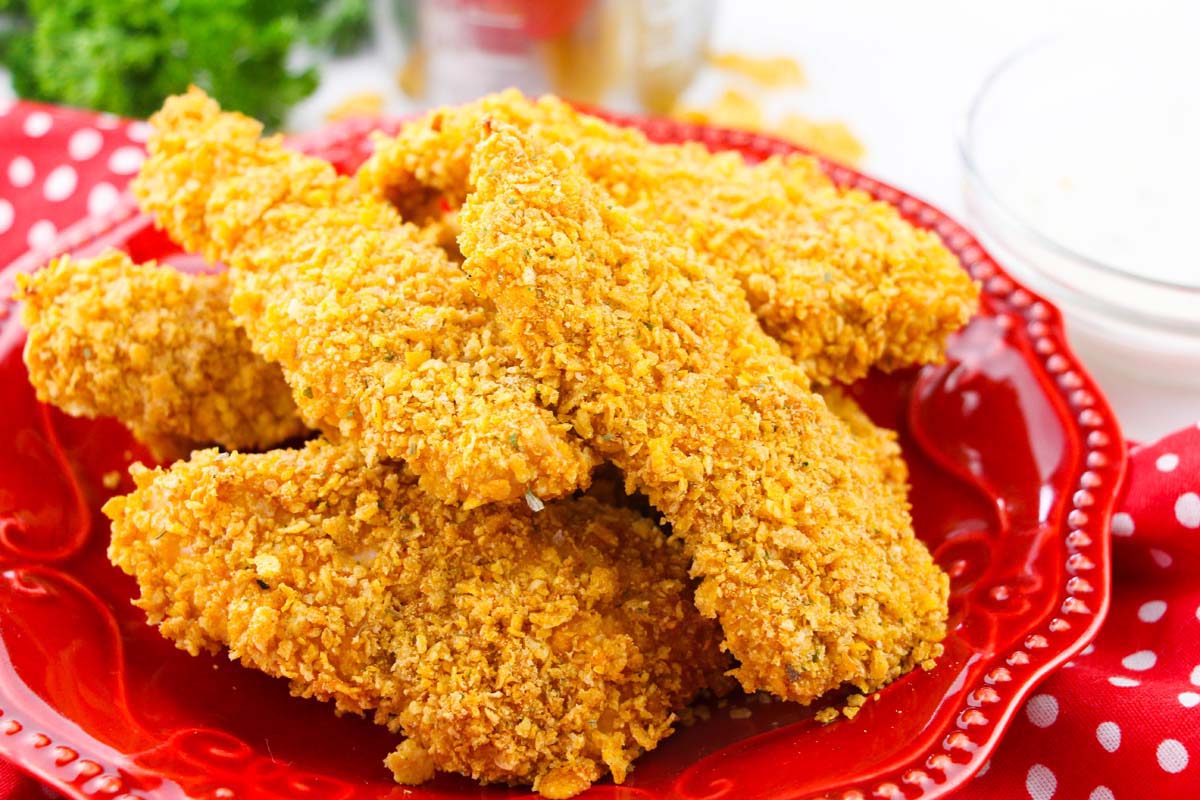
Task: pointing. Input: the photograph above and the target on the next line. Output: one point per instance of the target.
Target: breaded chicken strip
(880, 442)
(443, 231)
(510, 646)
(155, 348)
(807, 557)
(841, 280)
(377, 331)
(609, 485)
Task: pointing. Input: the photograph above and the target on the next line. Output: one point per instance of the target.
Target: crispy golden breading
(843, 281)
(610, 487)
(733, 109)
(377, 331)
(187, 377)
(807, 557)
(443, 231)
(511, 646)
(769, 72)
(880, 443)
(155, 348)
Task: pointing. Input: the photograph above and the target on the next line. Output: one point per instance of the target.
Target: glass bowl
(1082, 158)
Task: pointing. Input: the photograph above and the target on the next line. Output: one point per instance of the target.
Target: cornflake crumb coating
(509, 646)
(880, 444)
(377, 331)
(807, 557)
(843, 281)
(155, 348)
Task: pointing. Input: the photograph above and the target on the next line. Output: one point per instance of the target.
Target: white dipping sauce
(1107, 160)
(1083, 173)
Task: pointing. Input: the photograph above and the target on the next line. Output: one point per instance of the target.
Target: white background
(901, 74)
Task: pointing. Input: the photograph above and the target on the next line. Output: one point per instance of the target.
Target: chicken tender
(807, 557)
(443, 231)
(155, 348)
(843, 281)
(881, 443)
(510, 646)
(376, 330)
(609, 485)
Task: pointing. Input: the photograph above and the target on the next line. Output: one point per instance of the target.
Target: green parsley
(126, 56)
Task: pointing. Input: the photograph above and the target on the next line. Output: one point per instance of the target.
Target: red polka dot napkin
(1122, 721)
(57, 165)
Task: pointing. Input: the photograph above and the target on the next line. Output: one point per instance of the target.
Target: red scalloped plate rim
(1094, 425)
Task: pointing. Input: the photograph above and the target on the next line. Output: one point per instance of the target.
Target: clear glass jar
(1082, 156)
(626, 54)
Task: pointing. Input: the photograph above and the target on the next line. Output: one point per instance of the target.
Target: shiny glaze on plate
(1016, 464)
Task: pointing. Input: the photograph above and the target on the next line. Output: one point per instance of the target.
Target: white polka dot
(1140, 661)
(1198, 612)
(1172, 756)
(60, 183)
(37, 124)
(1040, 783)
(1187, 510)
(1161, 557)
(1124, 683)
(1189, 699)
(1166, 462)
(6, 105)
(20, 172)
(1122, 524)
(1087, 651)
(1108, 734)
(1195, 676)
(1101, 793)
(1042, 710)
(41, 234)
(1152, 611)
(102, 199)
(138, 131)
(84, 143)
(126, 160)
(984, 769)
(6, 215)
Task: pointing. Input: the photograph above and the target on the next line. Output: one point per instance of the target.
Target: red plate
(1016, 463)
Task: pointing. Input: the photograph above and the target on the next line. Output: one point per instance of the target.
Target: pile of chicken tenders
(400, 426)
